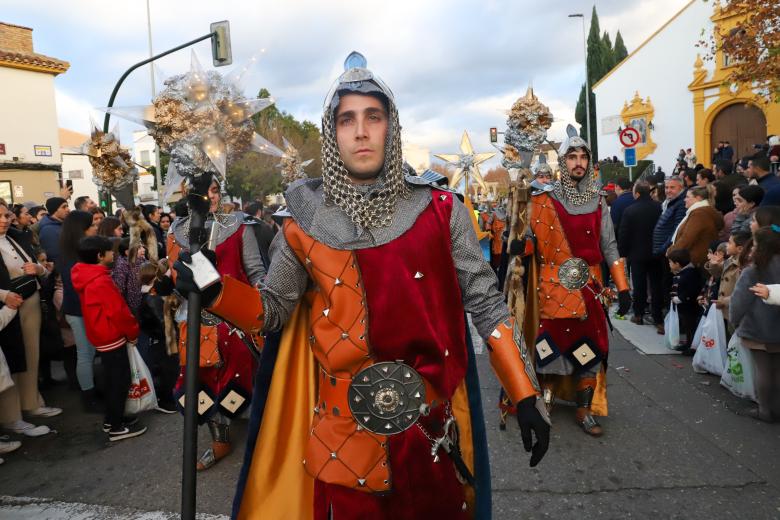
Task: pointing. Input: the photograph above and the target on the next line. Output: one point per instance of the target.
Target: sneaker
(166, 407)
(9, 446)
(44, 411)
(637, 320)
(126, 421)
(25, 428)
(126, 432)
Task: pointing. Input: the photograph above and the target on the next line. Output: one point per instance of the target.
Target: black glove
(624, 302)
(530, 419)
(185, 281)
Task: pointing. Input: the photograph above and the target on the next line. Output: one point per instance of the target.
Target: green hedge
(610, 171)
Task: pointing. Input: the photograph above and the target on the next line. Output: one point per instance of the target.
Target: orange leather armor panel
(338, 451)
(618, 273)
(552, 248)
(240, 304)
(509, 367)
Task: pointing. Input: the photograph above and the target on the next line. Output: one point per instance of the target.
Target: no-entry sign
(630, 137)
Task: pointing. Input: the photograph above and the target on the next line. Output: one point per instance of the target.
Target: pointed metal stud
(442, 197)
(385, 369)
(417, 395)
(333, 455)
(388, 426)
(344, 335)
(366, 418)
(326, 312)
(418, 275)
(338, 282)
(357, 399)
(308, 261)
(446, 352)
(361, 482)
(408, 375)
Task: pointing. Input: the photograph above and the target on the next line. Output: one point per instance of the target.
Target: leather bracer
(617, 270)
(512, 362)
(239, 304)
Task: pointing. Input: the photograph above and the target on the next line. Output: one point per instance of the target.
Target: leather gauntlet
(512, 362)
(239, 304)
(617, 270)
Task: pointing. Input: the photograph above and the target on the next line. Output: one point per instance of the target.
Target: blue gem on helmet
(355, 60)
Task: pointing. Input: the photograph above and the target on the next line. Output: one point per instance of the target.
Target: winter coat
(107, 318)
(635, 235)
(49, 230)
(667, 223)
(687, 286)
(728, 279)
(127, 280)
(70, 298)
(619, 206)
(741, 222)
(753, 318)
(769, 181)
(697, 232)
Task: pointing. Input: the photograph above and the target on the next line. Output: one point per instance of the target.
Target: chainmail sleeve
(608, 244)
(250, 257)
(283, 286)
(478, 282)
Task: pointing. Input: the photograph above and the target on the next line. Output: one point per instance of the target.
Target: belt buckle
(387, 398)
(574, 273)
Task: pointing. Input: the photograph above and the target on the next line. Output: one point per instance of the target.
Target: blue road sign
(629, 157)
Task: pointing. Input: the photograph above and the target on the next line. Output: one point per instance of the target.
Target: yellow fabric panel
(480, 234)
(566, 391)
(277, 486)
(462, 413)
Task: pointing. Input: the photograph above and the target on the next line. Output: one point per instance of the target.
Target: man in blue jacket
(51, 225)
(624, 199)
(673, 213)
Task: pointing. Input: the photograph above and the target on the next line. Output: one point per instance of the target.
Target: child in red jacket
(110, 326)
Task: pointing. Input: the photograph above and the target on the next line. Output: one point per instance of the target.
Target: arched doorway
(741, 124)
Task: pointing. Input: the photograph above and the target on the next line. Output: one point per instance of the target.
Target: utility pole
(158, 164)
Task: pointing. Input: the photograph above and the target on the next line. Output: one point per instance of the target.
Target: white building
(29, 142)
(76, 168)
(143, 155)
(657, 75)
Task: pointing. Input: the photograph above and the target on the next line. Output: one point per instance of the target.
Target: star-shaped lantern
(466, 163)
(201, 119)
(291, 166)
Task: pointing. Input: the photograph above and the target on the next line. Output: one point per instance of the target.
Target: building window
(75, 174)
(6, 193)
(145, 158)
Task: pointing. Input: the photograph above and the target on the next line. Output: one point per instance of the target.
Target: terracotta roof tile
(32, 61)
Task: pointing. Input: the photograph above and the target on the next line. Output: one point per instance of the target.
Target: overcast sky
(453, 65)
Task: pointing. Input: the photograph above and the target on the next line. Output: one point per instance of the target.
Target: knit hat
(53, 204)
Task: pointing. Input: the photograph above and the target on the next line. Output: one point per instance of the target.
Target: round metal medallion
(574, 273)
(385, 398)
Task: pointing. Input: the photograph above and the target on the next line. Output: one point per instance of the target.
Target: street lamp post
(587, 85)
(158, 165)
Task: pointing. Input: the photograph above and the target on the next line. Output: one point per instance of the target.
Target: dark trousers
(767, 384)
(116, 367)
(666, 282)
(689, 314)
(164, 368)
(646, 270)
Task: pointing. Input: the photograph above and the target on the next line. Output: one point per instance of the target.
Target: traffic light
(493, 135)
(221, 52)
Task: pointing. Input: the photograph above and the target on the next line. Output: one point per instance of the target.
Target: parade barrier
(710, 343)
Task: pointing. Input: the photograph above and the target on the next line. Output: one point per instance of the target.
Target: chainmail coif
(374, 209)
(576, 193)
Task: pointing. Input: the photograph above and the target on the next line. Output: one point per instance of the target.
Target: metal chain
(567, 189)
(371, 210)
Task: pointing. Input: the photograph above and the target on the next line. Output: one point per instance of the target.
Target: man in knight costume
(372, 407)
(570, 233)
(226, 362)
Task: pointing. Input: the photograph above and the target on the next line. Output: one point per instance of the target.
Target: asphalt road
(677, 445)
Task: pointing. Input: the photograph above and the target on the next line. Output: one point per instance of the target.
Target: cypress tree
(620, 48)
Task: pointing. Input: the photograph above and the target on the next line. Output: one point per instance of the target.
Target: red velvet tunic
(419, 320)
(583, 233)
(238, 364)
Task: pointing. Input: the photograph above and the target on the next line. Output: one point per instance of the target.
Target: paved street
(677, 445)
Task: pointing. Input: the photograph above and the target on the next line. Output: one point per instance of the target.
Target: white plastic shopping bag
(6, 381)
(141, 396)
(739, 374)
(710, 343)
(672, 328)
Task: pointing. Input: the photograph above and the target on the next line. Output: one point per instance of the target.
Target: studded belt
(571, 274)
(385, 398)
